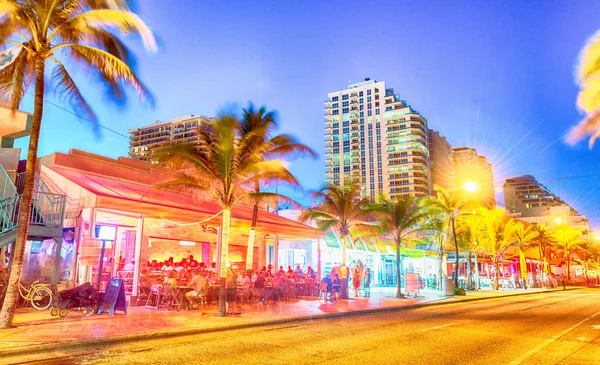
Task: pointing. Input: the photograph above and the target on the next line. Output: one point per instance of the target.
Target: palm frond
(66, 88)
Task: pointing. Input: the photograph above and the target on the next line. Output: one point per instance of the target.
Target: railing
(46, 210)
(9, 213)
(7, 186)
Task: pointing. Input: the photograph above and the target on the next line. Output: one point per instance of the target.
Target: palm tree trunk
(225, 231)
(344, 279)
(251, 236)
(12, 294)
(399, 270)
(456, 252)
(497, 273)
(441, 259)
(470, 272)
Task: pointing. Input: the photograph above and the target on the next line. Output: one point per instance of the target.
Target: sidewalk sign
(114, 297)
(411, 285)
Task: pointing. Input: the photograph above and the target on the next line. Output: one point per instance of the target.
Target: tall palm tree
(568, 240)
(449, 205)
(588, 100)
(223, 165)
(523, 236)
(496, 236)
(400, 218)
(260, 125)
(341, 209)
(543, 239)
(86, 34)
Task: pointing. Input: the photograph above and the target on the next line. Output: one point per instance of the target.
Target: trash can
(448, 286)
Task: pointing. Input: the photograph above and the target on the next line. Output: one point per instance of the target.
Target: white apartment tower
(145, 140)
(374, 138)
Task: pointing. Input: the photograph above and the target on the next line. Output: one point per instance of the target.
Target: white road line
(438, 327)
(543, 345)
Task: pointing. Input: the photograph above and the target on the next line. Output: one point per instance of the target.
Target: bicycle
(38, 294)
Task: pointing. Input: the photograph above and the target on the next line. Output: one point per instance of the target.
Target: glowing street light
(558, 220)
(597, 238)
(471, 187)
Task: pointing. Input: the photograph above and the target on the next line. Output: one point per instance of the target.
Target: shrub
(459, 291)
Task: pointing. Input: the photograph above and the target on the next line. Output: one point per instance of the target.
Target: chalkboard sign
(114, 297)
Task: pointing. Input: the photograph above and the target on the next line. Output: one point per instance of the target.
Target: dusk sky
(496, 76)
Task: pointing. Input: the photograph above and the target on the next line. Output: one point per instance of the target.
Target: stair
(47, 209)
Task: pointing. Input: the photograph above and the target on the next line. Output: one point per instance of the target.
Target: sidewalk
(38, 331)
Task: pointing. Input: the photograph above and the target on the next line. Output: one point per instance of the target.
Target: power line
(84, 118)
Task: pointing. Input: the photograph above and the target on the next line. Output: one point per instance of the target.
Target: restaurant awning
(124, 195)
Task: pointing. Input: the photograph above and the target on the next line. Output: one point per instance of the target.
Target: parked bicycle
(40, 295)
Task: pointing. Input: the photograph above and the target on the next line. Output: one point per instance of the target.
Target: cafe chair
(143, 294)
(155, 296)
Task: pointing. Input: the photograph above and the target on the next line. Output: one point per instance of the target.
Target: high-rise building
(377, 140)
(145, 140)
(440, 160)
(469, 167)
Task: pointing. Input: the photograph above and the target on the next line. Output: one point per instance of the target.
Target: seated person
(281, 271)
(244, 281)
(168, 266)
(198, 283)
(298, 270)
(311, 273)
(170, 283)
(130, 266)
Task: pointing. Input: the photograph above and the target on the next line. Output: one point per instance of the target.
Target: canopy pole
(319, 259)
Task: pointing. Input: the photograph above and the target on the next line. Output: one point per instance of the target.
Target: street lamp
(471, 187)
(558, 220)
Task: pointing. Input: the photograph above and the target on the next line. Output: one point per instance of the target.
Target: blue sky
(496, 76)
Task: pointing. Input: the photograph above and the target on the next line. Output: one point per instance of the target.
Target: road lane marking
(438, 327)
(543, 345)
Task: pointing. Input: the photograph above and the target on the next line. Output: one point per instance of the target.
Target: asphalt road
(556, 328)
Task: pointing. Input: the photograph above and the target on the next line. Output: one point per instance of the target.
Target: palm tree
(400, 218)
(436, 227)
(588, 100)
(343, 211)
(260, 125)
(568, 240)
(467, 229)
(523, 236)
(496, 236)
(543, 239)
(83, 32)
(449, 205)
(223, 165)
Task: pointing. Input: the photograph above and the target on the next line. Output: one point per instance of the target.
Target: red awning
(114, 193)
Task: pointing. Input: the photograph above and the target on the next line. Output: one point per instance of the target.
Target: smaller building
(525, 195)
(471, 167)
(145, 140)
(440, 160)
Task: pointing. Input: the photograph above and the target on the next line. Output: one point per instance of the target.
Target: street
(560, 327)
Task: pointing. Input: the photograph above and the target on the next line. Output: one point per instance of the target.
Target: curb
(182, 333)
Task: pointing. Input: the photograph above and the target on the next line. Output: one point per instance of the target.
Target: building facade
(440, 160)
(377, 140)
(470, 167)
(144, 141)
(525, 195)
